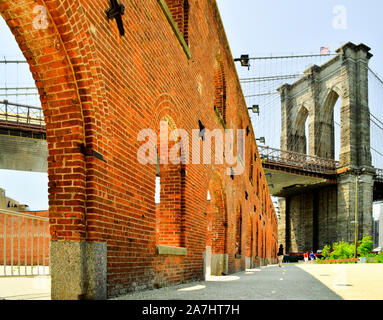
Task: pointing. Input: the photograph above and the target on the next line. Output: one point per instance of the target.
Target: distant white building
(7, 203)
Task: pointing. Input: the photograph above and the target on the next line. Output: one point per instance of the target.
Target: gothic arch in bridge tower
(329, 209)
(300, 136)
(328, 125)
(344, 76)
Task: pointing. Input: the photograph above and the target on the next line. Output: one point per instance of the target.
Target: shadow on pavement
(266, 283)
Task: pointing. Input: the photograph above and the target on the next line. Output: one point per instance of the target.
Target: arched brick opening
(218, 216)
(220, 89)
(61, 67)
(169, 210)
(52, 70)
(217, 226)
(250, 240)
(251, 166)
(238, 232)
(180, 12)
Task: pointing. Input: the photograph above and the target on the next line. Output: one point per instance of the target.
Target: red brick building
(27, 239)
(99, 89)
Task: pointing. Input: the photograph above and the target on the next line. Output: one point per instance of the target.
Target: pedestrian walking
(280, 255)
(306, 256)
(312, 256)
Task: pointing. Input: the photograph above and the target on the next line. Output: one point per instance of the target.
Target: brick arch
(249, 236)
(220, 88)
(55, 70)
(217, 216)
(180, 12)
(170, 220)
(238, 230)
(165, 106)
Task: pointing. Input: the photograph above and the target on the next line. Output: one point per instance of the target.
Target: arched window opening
(157, 196)
(220, 90)
(24, 181)
(337, 126)
(249, 237)
(169, 195)
(238, 238)
(251, 167)
(330, 130)
(300, 138)
(180, 13)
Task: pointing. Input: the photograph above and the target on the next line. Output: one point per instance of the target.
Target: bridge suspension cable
(268, 73)
(17, 83)
(293, 56)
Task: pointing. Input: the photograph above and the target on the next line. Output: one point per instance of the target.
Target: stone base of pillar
(219, 264)
(249, 263)
(207, 262)
(78, 270)
(347, 195)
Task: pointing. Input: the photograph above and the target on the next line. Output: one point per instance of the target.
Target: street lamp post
(356, 217)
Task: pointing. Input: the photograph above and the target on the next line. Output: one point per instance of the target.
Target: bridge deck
(288, 172)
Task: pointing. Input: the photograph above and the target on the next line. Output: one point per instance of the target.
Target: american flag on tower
(324, 50)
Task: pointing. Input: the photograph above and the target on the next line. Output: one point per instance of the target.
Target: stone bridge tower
(313, 218)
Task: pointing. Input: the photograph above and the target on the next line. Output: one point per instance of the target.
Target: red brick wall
(99, 90)
(26, 233)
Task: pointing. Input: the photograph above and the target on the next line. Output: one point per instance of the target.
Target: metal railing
(297, 160)
(24, 244)
(21, 114)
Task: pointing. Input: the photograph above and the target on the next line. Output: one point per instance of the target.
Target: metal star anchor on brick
(116, 11)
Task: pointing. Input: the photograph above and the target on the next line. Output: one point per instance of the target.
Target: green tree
(343, 250)
(365, 246)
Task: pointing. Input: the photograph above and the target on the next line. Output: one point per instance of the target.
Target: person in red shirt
(306, 256)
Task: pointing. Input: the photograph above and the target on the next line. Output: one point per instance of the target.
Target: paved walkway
(25, 288)
(362, 281)
(291, 282)
(266, 283)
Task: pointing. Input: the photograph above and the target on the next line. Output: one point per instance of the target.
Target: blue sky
(261, 27)
(256, 27)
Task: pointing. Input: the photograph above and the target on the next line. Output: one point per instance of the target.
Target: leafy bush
(342, 250)
(345, 250)
(326, 251)
(380, 257)
(365, 246)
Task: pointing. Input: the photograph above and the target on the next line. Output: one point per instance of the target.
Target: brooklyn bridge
(312, 163)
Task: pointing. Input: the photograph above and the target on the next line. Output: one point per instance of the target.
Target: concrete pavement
(265, 283)
(291, 282)
(25, 288)
(361, 281)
